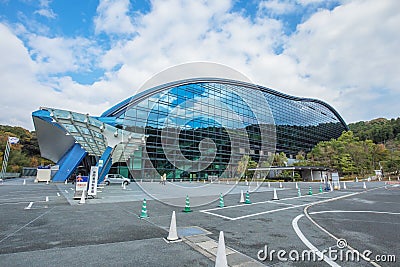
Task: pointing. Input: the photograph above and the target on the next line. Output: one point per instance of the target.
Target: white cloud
(58, 54)
(182, 31)
(113, 17)
(308, 2)
(45, 9)
(347, 57)
(351, 52)
(276, 7)
(48, 13)
(22, 92)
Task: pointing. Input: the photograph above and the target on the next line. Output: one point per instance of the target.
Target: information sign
(81, 183)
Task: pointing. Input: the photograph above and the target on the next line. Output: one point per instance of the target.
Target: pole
(293, 174)
(5, 159)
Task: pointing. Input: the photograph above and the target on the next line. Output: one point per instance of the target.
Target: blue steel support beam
(107, 162)
(69, 162)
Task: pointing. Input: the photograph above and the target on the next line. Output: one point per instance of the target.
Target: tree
(349, 155)
(242, 165)
(378, 130)
(280, 159)
(24, 154)
(346, 164)
(301, 156)
(250, 165)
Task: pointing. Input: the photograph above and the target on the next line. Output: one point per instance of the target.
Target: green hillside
(380, 131)
(24, 154)
(368, 146)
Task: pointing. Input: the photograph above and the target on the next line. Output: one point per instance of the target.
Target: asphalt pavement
(108, 230)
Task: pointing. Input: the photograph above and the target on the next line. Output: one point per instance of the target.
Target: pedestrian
(161, 179)
(164, 178)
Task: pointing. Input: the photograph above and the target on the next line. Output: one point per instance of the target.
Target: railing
(11, 175)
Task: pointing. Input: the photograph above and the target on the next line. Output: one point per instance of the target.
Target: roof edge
(140, 96)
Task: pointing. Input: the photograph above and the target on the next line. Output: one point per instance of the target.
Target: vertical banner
(93, 178)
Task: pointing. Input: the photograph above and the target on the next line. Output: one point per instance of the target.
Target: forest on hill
(380, 131)
(25, 153)
(368, 146)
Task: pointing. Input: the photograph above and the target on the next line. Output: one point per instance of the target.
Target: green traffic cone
(298, 192)
(187, 205)
(310, 191)
(221, 201)
(247, 201)
(144, 210)
(320, 188)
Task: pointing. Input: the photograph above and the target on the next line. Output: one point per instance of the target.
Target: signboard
(81, 183)
(335, 180)
(212, 178)
(43, 175)
(93, 178)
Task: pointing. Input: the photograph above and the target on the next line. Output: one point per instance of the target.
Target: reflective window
(190, 124)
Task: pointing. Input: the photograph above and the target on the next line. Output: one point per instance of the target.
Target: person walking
(164, 178)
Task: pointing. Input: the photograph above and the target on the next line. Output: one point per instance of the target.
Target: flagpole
(5, 158)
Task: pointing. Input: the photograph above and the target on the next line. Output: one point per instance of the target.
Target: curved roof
(121, 107)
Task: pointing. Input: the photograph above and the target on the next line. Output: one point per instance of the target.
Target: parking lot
(107, 231)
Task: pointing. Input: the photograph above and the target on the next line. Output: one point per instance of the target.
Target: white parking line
(267, 201)
(29, 206)
(281, 203)
(313, 248)
(14, 203)
(263, 212)
(355, 211)
(25, 193)
(308, 243)
(261, 202)
(22, 198)
(218, 215)
(316, 196)
(268, 211)
(304, 239)
(320, 195)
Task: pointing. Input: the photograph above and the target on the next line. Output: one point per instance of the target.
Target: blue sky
(88, 55)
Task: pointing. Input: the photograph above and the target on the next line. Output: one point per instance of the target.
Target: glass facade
(198, 129)
(301, 124)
